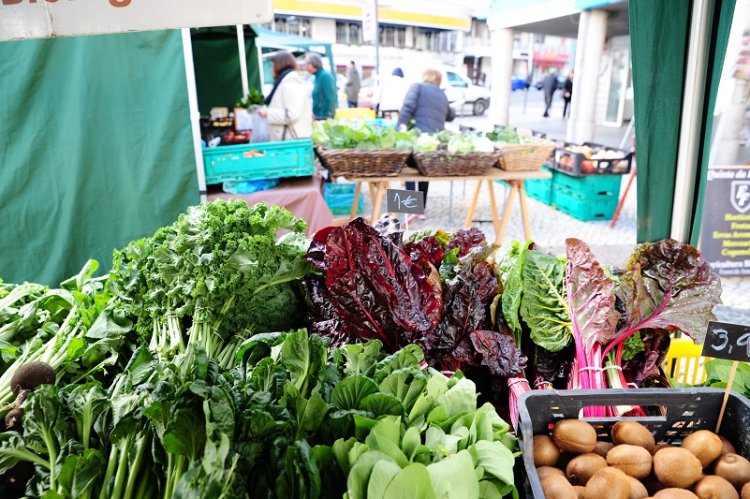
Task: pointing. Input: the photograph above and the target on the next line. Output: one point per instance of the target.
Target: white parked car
(458, 88)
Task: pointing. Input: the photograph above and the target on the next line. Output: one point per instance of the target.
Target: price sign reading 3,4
(727, 341)
(731, 342)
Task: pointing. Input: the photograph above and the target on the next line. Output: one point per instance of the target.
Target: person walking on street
(567, 93)
(324, 89)
(549, 85)
(427, 105)
(352, 84)
(390, 95)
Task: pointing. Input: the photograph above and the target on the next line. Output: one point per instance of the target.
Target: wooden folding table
(378, 186)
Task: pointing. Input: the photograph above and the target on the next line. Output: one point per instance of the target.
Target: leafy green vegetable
(335, 134)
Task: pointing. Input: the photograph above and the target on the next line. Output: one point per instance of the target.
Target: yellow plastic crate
(684, 363)
(355, 113)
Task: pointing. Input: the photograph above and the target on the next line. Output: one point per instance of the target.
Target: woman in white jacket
(289, 106)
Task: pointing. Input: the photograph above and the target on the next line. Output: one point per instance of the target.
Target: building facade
(411, 31)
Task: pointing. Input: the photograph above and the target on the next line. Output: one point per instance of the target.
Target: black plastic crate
(577, 163)
(684, 411)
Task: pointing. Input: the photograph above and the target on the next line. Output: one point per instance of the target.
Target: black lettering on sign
(399, 201)
(727, 341)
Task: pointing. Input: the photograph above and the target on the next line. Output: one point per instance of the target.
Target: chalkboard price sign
(400, 201)
(727, 341)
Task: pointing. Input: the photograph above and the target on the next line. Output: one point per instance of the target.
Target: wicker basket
(515, 157)
(363, 163)
(450, 164)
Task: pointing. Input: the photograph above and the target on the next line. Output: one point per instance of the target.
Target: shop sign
(369, 21)
(22, 19)
(725, 231)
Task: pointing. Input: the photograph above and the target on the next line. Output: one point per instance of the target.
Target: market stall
(235, 352)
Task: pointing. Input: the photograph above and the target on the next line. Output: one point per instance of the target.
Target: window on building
(538, 38)
(392, 36)
(436, 40)
(293, 25)
(349, 32)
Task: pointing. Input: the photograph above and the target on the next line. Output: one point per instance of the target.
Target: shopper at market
(390, 95)
(352, 85)
(289, 111)
(427, 105)
(549, 85)
(567, 93)
(324, 89)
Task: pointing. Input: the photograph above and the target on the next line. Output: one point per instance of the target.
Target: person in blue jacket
(427, 105)
(324, 89)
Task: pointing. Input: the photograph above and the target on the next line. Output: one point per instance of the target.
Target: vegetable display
(335, 134)
(228, 356)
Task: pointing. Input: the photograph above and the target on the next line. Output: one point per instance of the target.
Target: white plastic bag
(259, 126)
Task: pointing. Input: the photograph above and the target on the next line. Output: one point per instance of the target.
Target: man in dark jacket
(324, 90)
(427, 105)
(549, 85)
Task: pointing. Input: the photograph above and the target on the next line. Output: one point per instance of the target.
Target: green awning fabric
(96, 149)
(217, 66)
(659, 35)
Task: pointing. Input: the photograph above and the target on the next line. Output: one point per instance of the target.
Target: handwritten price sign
(727, 341)
(400, 201)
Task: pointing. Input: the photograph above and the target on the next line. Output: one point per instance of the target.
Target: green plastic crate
(339, 198)
(540, 188)
(259, 161)
(589, 209)
(588, 188)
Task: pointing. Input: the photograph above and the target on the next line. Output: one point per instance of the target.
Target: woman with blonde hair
(289, 110)
(427, 105)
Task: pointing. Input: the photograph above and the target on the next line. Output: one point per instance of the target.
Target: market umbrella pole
(195, 115)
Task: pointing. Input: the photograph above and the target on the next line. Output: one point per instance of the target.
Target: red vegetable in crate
(375, 289)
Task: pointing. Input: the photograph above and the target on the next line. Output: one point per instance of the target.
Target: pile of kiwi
(572, 464)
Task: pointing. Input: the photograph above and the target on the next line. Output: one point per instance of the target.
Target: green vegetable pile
(253, 98)
(334, 134)
(170, 382)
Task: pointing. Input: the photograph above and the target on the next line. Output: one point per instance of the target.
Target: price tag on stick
(400, 201)
(730, 342)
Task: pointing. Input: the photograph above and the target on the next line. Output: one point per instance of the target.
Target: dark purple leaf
(426, 250)
(465, 240)
(647, 364)
(374, 288)
(668, 286)
(498, 352)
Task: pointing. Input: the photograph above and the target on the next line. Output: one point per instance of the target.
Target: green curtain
(659, 34)
(217, 67)
(96, 149)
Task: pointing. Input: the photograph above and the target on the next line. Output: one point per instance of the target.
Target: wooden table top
(412, 174)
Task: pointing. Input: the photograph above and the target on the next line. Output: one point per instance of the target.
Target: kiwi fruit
(602, 448)
(546, 452)
(610, 483)
(674, 493)
(580, 490)
(745, 492)
(705, 445)
(637, 489)
(575, 436)
(31, 375)
(715, 487)
(630, 459)
(734, 468)
(581, 468)
(545, 471)
(632, 433)
(726, 446)
(677, 467)
(557, 487)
